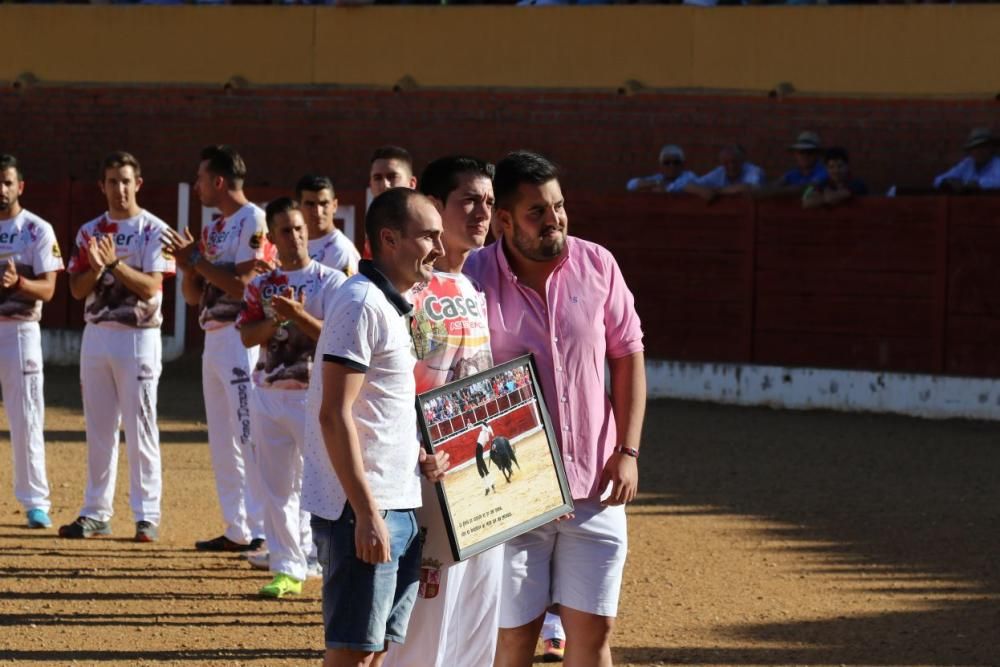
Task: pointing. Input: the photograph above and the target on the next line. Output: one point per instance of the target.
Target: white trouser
(225, 378)
(21, 381)
(279, 425)
(457, 627)
(119, 372)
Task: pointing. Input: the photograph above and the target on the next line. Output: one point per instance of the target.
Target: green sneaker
(281, 585)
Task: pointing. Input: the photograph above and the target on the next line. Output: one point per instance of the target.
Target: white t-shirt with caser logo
(227, 242)
(31, 243)
(138, 244)
(286, 361)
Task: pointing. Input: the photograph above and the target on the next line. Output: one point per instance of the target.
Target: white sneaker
(314, 570)
(259, 560)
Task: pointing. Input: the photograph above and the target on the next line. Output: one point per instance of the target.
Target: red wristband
(628, 451)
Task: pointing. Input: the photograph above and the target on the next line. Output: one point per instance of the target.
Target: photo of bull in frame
(505, 475)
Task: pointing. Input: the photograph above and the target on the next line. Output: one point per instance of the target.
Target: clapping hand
(286, 306)
(10, 276)
(181, 246)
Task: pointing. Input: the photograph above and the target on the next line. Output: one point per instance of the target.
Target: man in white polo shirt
(361, 482)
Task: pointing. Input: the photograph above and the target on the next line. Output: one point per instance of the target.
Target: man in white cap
(809, 169)
(672, 176)
(980, 170)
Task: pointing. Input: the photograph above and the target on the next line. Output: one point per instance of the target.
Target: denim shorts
(365, 605)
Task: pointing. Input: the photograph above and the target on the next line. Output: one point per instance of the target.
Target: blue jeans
(365, 605)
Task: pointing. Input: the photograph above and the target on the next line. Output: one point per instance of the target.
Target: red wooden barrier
(906, 284)
(462, 447)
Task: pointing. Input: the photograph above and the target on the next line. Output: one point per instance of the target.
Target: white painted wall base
(933, 396)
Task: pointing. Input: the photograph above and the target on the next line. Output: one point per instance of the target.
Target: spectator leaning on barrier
(838, 186)
(979, 171)
(734, 175)
(809, 169)
(671, 178)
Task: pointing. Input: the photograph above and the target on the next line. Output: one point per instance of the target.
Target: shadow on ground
(884, 495)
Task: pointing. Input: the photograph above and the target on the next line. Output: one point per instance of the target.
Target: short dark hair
(390, 210)
(117, 160)
(836, 153)
(440, 177)
(517, 168)
(224, 160)
(276, 207)
(8, 161)
(392, 153)
(314, 183)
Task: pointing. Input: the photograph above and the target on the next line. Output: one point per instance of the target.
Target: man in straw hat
(809, 168)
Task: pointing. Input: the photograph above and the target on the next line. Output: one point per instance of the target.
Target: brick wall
(600, 139)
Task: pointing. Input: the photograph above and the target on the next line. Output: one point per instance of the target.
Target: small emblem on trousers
(430, 578)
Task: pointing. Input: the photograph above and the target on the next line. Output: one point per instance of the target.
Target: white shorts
(577, 563)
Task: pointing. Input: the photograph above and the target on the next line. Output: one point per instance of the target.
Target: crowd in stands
(446, 406)
(821, 176)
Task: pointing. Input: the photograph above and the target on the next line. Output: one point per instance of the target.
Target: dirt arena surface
(759, 538)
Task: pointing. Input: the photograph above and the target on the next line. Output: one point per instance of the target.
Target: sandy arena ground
(759, 538)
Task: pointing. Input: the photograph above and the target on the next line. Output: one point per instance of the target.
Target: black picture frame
(530, 488)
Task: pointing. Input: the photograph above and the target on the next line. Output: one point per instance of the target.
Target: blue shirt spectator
(795, 176)
(672, 176)
(720, 177)
(733, 170)
(809, 169)
(734, 175)
(979, 171)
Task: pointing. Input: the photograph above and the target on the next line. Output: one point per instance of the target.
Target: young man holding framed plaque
(455, 617)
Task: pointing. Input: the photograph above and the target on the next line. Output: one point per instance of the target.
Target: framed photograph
(505, 475)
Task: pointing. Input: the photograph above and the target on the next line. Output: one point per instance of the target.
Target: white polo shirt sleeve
(353, 335)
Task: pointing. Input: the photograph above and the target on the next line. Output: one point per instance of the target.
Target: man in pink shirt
(564, 299)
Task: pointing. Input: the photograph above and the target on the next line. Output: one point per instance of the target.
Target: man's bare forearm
(192, 286)
(42, 288)
(628, 397)
(227, 281)
(144, 285)
(82, 284)
(342, 446)
(257, 333)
